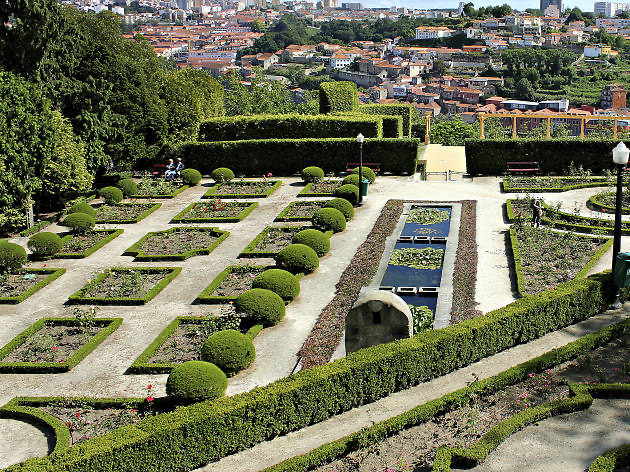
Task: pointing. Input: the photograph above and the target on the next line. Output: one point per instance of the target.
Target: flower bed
(426, 258)
(78, 246)
(300, 211)
(17, 287)
(243, 189)
(552, 183)
(176, 244)
(158, 188)
(324, 188)
(427, 216)
(125, 213)
(215, 211)
(183, 338)
(54, 345)
(230, 283)
(606, 201)
(271, 241)
(544, 258)
(125, 286)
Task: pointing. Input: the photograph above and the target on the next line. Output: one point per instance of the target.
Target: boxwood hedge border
(54, 274)
(251, 251)
(282, 216)
(601, 182)
(141, 364)
(109, 326)
(212, 192)
(140, 217)
(112, 234)
(172, 272)
(139, 255)
(248, 207)
(612, 459)
(594, 204)
(164, 196)
(306, 191)
(206, 297)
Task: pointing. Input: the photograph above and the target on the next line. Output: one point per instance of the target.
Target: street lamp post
(360, 140)
(620, 158)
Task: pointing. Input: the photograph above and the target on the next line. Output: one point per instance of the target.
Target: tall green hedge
(490, 156)
(290, 127)
(255, 157)
(198, 434)
(338, 96)
(387, 109)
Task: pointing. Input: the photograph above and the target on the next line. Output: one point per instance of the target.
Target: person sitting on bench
(170, 171)
(180, 167)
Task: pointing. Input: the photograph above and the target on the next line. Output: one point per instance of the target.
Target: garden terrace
(243, 189)
(17, 287)
(177, 244)
(124, 213)
(215, 211)
(271, 241)
(76, 246)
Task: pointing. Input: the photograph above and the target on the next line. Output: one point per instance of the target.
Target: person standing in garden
(537, 213)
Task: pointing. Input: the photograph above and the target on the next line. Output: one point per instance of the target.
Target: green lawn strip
(136, 251)
(248, 207)
(140, 217)
(594, 204)
(518, 263)
(111, 235)
(282, 216)
(214, 191)
(251, 251)
(109, 326)
(54, 274)
(207, 297)
(142, 366)
(612, 460)
(163, 196)
(601, 182)
(79, 298)
(420, 414)
(306, 192)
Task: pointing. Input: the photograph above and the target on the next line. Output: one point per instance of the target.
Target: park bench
(520, 166)
(375, 166)
(158, 170)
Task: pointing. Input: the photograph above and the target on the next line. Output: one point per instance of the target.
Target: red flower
(78, 415)
(604, 210)
(69, 424)
(150, 399)
(150, 387)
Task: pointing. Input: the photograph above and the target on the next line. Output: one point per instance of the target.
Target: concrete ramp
(444, 163)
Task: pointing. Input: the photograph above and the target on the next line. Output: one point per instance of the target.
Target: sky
(426, 4)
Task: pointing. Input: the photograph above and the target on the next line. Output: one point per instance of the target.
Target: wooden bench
(158, 170)
(375, 166)
(521, 166)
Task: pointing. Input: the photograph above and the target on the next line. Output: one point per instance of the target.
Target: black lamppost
(360, 140)
(620, 158)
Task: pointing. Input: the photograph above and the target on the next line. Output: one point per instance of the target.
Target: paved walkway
(442, 159)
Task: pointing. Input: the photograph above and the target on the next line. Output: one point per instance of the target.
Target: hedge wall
(256, 157)
(198, 434)
(405, 111)
(490, 156)
(290, 127)
(338, 96)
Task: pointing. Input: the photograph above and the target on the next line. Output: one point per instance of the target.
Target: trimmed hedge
(140, 255)
(593, 203)
(207, 295)
(315, 239)
(261, 306)
(196, 381)
(612, 460)
(312, 174)
(367, 174)
(12, 257)
(230, 350)
(162, 196)
(54, 274)
(83, 207)
(111, 234)
(222, 174)
(109, 325)
(251, 250)
(79, 223)
(279, 281)
(329, 219)
(138, 218)
(111, 194)
(248, 207)
(308, 191)
(215, 191)
(190, 177)
(255, 157)
(490, 156)
(343, 205)
(289, 127)
(402, 110)
(44, 244)
(351, 179)
(338, 97)
(128, 186)
(282, 216)
(589, 182)
(298, 258)
(348, 192)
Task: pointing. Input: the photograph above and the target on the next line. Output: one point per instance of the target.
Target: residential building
(609, 9)
(433, 32)
(545, 3)
(613, 96)
(352, 6)
(599, 50)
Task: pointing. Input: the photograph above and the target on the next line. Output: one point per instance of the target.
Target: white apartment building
(609, 9)
(612, 22)
(433, 32)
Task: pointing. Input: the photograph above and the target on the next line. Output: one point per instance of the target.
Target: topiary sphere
(279, 281)
(79, 222)
(222, 174)
(45, 244)
(312, 174)
(349, 192)
(128, 187)
(196, 381)
(110, 194)
(298, 258)
(329, 219)
(261, 306)
(314, 239)
(367, 173)
(12, 257)
(351, 179)
(191, 177)
(343, 205)
(229, 350)
(83, 207)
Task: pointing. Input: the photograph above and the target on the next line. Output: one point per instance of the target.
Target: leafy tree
(451, 132)
(524, 90)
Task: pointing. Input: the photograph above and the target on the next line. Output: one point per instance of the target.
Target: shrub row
(140, 255)
(588, 183)
(338, 97)
(404, 111)
(111, 234)
(205, 432)
(289, 127)
(490, 156)
(256, 157)
(611, 460)
(54, 274)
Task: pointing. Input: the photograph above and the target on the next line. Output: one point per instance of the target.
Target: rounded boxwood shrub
(279, 281)
(229, 350)
(12, 257)
(128, 187)
(298, 258)
(349, 192)
(222, 174)
(83, 207)
(79, 222)
(329, 219)
(343, 205)
(367, 173)
(261, 306)
(312, 174)
(191, 177)
(111, 194)
(196, 381)
(45, 244)
(314, 239)
(352, 179)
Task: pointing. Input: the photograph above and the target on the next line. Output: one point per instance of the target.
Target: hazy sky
(519, 4)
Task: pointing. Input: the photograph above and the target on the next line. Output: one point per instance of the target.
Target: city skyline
(431, 4)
